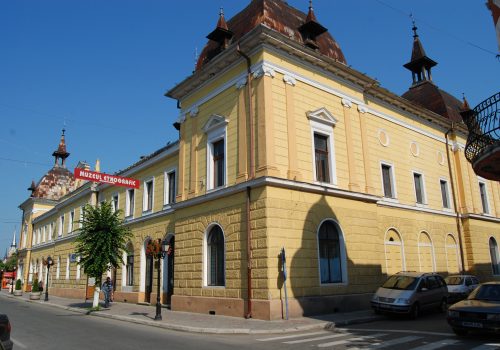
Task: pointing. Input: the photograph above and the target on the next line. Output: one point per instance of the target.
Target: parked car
(410, 293)
(5, 327)
(480, 311)
(460, 286)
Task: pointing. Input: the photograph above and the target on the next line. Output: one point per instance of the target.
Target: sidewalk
(201, 323)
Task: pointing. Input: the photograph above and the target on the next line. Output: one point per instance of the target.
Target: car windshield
(454, 280)
(490, 292)
(401, 282)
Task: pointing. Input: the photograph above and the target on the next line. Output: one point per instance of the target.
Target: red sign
(9, 275)
(106, 178)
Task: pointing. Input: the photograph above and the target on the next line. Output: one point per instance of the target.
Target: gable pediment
(214, 122)
(322, 116)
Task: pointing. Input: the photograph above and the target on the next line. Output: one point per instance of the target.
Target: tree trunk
(95, 302)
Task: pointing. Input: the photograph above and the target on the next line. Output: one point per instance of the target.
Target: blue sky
(100, 69)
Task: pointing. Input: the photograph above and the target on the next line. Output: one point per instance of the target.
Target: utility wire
(404, 13)
(24, 161)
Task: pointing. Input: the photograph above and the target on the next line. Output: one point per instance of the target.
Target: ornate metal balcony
(483, 143)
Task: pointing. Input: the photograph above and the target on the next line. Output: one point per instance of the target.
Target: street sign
(106, 178)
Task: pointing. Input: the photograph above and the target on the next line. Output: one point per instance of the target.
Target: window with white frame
(51, 231)
(495, 258)
(419, 186)
(215, 128)
(388, 186)
(445, 193)
(61, 225)
(44, 233)
(68, 258)
(331, 253)
(39, 238)
(114, 202)
(148, 195)
(170, 187)
(215, 263)
(78, 268)
(58, 268)
(71, 221)
(322, 124)
(80, 223)
(130, 202)
(483, 191)
(129, 268)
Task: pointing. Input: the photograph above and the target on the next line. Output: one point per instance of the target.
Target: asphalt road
(37, 326)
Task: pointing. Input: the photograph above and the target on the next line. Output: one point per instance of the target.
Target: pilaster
(293, 172)
(353, 181)
(242, 173)
(365, 149)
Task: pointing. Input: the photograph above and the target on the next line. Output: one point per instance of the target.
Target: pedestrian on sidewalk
(107, 288)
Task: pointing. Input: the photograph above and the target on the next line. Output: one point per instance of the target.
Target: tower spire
(221, 33)
(420, 65)
(61, 151)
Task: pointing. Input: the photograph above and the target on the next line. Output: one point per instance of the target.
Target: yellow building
(283, 145)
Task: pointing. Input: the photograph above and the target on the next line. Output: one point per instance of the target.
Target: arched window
(426, 253)
(129, 278)
(330, 246)
(394, 252)
(495, 259)
(215, 257)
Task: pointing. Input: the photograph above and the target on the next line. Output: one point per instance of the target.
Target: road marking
(293, 336)
(407, 331)
(18, 344)
(315, 339)
(392, 342)
(437, 344)
(350, 340)
(486, 347)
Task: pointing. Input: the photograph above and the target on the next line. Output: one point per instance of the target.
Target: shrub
(36, 287)
(18, 284)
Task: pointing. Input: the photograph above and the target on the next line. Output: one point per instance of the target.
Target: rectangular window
(387, 181)
(170, 187)
(218, 163)
(71, 221)
(44, 232)
(80, 224)
(419, 188)
(444, 193)
(114, 202)
(130, 202)
(51, 231)
(148, 196)
(130, 270)
(67, 266)
(321, 158)
(61, 225)
(484, 197)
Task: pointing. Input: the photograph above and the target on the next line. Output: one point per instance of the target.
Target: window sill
(326, 184)
(214, 287)
(390, 200)
(147, 212)
(421, 205)
(338, 284)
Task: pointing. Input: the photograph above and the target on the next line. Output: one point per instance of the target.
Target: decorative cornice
(289, 80)
(241, 83)
(346, 103)
(193, 111)
(362, 109)
(263, 70)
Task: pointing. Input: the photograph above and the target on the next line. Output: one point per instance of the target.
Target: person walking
(107, 288)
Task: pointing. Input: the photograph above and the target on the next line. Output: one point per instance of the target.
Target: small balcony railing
(483, 143)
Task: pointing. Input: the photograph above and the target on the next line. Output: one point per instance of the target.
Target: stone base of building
(272, 309)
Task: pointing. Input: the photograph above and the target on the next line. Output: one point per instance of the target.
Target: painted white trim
(431, 245)
(453, 246)
(400, 244)
(205, 255)
(486, 195)
(117, 196)
(447, 183)
(214, 134)
(145, 195)
(129, 211)
(392, 179)
(142, 267)
(166, 185)
(424, 190)
(343, 255)
(67, 266)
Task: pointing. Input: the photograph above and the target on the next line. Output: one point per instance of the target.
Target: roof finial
(221, 12)
(310, 4)
(414, 28)
(465, 105)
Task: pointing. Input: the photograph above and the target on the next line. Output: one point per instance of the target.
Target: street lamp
(12, 280)
(49, 262)
(158, 249)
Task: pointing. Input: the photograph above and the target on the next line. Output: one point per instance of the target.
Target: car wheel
(415, 311)
(460, 332)
(443, 306)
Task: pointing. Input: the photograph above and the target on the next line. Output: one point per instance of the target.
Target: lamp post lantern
(49, 263)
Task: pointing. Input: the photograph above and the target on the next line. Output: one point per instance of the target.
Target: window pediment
(322, 116)
(214, 122)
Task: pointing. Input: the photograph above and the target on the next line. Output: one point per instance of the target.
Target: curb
(327, 325)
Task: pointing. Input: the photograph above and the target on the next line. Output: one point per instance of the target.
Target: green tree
(101, 241)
